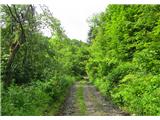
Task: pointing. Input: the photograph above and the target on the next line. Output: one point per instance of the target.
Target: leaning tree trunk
(8, 70)
(19, 19)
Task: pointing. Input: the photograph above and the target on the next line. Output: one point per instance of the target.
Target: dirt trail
(95, 104)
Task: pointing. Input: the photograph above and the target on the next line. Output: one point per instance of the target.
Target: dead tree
(18, 17)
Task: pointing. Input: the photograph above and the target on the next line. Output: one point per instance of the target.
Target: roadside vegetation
(124, 58)
(36, 70)
(121, 58)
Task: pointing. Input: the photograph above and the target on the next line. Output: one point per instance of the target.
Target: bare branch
(21, 26)
(12, 13)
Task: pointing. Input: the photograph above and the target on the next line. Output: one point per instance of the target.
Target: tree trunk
(8, 69)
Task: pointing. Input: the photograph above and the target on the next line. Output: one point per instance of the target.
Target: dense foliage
(124, 56)
(36, 70)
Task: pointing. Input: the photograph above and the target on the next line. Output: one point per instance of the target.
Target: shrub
(25, 100)
(139, 93)
(120, 71)
(34, 98)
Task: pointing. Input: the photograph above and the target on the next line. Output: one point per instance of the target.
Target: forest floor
(85, 99)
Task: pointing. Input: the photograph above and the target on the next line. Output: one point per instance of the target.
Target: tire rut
(96, 104)
(69, 108)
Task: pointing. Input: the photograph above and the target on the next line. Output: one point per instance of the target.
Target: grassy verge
(55, 107)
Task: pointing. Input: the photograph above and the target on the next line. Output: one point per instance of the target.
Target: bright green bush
(148, 59)
(103, 85)
(125, 56)
(146, 91)
(120, 71)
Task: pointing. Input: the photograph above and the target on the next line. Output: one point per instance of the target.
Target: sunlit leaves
(125, 55)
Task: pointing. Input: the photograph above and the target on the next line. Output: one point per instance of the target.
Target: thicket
(124, 58)
(36, 70)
